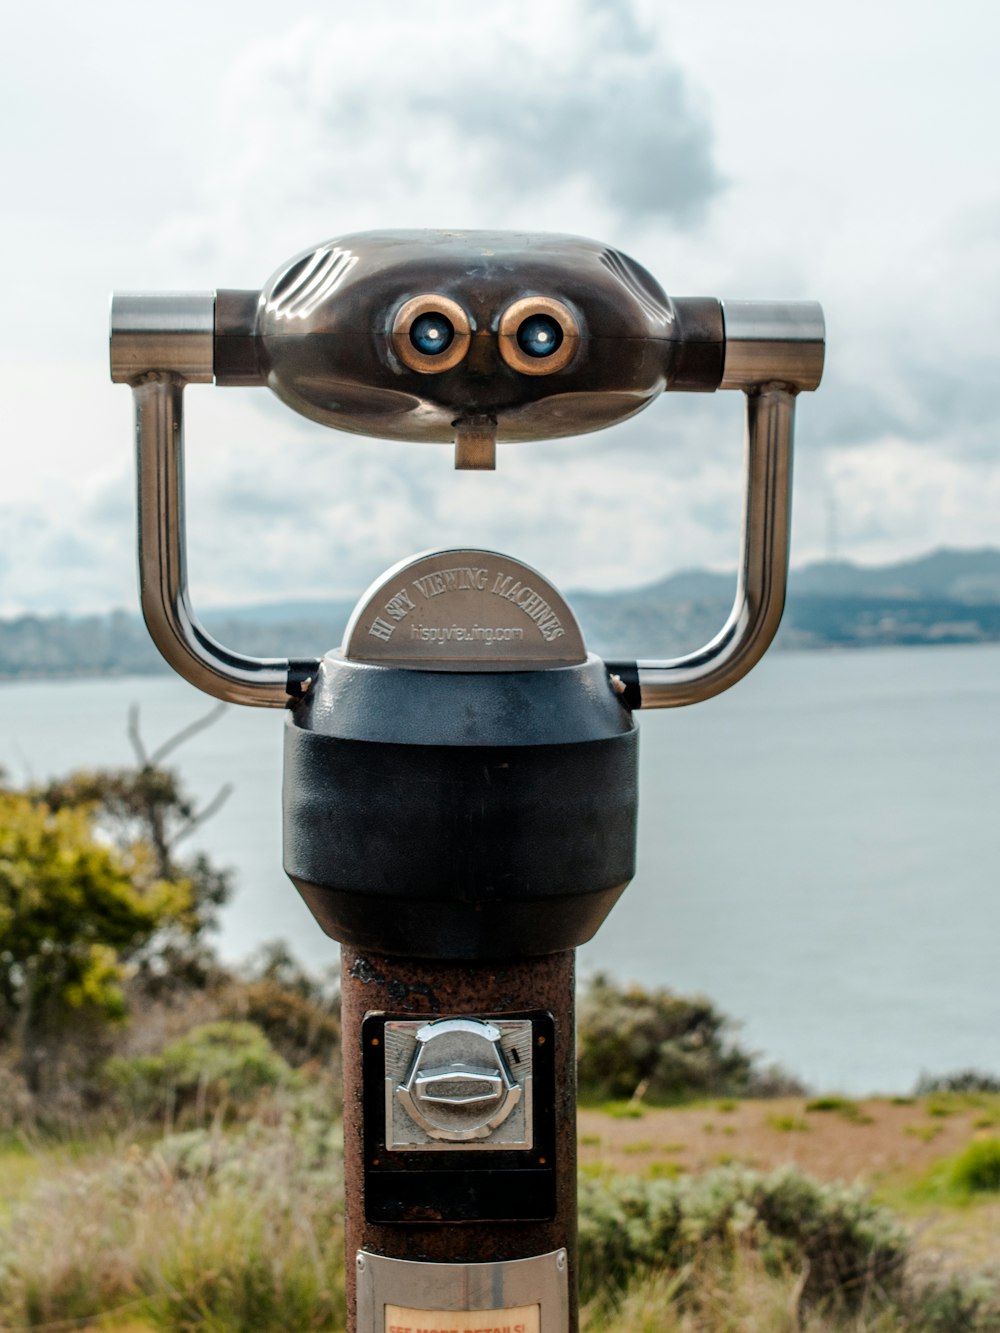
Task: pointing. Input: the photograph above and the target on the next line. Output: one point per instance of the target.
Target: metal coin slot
(451, 1082)
(459, 1087)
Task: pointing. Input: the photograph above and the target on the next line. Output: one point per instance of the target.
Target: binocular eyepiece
(443, 336)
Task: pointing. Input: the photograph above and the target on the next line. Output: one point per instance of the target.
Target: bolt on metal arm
(774, 350)
(159, 344)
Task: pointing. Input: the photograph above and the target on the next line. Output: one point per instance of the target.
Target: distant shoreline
(945, 598)
(71, 676)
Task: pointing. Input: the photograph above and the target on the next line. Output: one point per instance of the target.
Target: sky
(842, 153)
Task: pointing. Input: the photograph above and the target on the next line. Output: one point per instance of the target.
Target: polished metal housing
(773, 342)
(328, 323)
(153, 334)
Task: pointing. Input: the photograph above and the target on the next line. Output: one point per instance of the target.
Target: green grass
(789, 1124)
(18, 1168)
(596, 1171)
(926, 1133)
(842, 1106)
(964, 1179)
(228, 1231)
(24, 1161)
(941, 1109)
(208, 1231)
(664, 1170)
(623, 1110)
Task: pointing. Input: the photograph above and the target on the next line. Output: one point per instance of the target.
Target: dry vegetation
(170, 1154)
(239, 1227)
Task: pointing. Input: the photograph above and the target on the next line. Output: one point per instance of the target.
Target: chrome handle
(159, 344)
(774, 350)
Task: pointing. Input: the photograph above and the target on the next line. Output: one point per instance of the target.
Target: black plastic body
(460, 816)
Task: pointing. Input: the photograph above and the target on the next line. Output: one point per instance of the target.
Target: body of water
(818, 848)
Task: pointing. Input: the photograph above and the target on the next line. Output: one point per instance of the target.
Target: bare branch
(206, 812)
(185, 733)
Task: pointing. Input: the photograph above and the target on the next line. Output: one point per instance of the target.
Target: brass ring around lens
(512, 319)
(436, 362)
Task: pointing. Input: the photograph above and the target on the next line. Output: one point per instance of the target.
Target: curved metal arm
(174, 628)
(760, 592)
(773, 350)
(159, 344)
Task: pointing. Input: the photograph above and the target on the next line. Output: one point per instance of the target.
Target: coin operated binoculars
(460, 786)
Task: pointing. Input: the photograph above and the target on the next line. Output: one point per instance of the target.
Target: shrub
(298, 1013)
(72, 917)
(842, 1243)
(977, 1169)
(721, 1292)
(16, 1102)
(773, 1081)
(638, 1042)
(958, 1305)
(965, 1080)
(827, 1104)
(843, 1106)
(205, 1230)
(216, 1067)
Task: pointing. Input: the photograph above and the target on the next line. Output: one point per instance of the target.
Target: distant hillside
(944, 597)
(968, 577)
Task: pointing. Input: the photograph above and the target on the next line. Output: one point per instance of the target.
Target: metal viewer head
(473, 338)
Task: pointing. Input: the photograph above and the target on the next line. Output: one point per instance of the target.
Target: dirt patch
(887, 1146)
(867, 1140)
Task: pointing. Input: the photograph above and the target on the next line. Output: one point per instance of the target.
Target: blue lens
(431, 333)
(539, 335)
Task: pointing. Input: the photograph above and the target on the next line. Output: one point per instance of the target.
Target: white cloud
(894, 497)
(554, 117)
(789, 159)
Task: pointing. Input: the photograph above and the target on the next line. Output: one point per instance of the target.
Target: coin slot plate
(437, 1181)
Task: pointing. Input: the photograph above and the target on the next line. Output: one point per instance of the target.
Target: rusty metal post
(432, 989)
